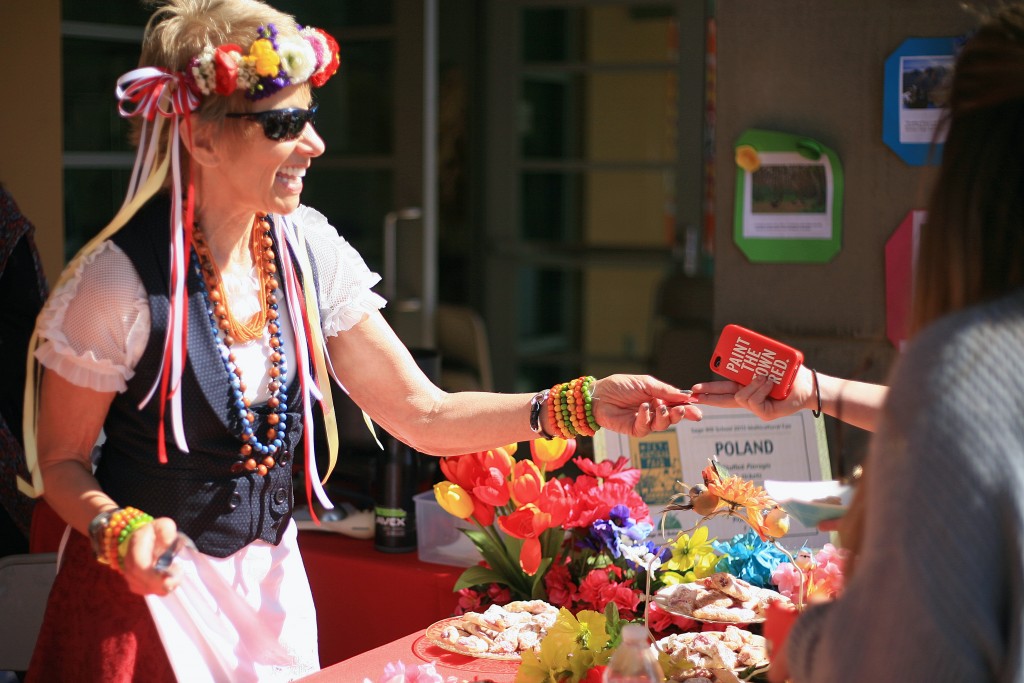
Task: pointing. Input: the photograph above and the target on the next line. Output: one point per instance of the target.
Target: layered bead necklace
(254, 455)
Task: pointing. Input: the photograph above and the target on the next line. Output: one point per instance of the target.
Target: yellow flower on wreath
(265, 58)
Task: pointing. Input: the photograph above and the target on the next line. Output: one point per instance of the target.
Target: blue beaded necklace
(254, 455)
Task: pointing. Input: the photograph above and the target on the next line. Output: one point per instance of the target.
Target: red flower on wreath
(331, 68)
(225, 69)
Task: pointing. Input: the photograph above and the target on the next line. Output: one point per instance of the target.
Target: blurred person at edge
(23, 290)
(935, 585)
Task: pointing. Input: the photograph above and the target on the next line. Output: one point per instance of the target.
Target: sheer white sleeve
(344, 281)
(95, 326)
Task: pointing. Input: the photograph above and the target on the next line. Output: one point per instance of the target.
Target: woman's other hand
(640, 404)
(145, 546)
(754, 396)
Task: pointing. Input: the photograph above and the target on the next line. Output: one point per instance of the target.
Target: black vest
(222, 512)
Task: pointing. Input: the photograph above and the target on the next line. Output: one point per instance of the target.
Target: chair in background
(25, 582)
(465, 353)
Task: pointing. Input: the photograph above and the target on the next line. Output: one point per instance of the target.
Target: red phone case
(740, 353)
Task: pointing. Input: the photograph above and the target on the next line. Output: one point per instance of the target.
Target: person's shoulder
(977, 346)
(969, 332)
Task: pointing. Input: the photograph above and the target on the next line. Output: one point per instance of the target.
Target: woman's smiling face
(256, 173)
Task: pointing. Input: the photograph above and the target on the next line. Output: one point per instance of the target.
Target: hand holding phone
(740, 354)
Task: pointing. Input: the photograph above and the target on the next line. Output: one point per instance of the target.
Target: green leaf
(537, 589)
(477, 576)
(481, 540)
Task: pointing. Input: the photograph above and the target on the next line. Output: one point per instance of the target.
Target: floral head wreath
(270, 64)
(159, 97)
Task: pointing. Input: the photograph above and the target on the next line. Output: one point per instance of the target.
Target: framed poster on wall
(789, 198)
(916, 80)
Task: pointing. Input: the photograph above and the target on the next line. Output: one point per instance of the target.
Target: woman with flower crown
(197, 331)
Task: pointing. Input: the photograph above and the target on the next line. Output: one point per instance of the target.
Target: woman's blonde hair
(179, 30)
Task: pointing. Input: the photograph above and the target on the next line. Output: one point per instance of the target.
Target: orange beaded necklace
(253, 456)
(261, 248)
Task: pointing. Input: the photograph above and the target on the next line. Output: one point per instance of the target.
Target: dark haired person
(935, 589)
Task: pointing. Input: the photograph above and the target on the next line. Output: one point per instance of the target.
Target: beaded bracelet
(571, 407)
(122, 524)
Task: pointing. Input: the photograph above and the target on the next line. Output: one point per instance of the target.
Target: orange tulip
(482, 512)
(554, 504)
(526, 483)
(492, 487)
(522, 524)
(551, 454)
(463, 470)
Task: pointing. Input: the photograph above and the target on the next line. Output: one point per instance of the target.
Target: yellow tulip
(454, 499)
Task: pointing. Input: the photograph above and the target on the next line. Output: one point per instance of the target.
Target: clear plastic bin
(438, 537)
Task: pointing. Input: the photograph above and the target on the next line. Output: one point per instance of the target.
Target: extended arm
(856, 403)
(383, 379)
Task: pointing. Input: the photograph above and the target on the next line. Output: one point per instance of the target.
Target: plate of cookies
(720, 598)
(501, 632)
(733, 649)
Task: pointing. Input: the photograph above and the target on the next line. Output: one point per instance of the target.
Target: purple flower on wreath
(747, 557)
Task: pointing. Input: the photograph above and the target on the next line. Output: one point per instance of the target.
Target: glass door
(594, 191)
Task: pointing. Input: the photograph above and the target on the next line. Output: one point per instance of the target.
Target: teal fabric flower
(747, 557)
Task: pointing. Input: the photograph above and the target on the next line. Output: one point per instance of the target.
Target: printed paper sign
(792, 448)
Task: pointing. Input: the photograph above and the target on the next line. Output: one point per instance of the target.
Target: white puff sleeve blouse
(95, 326)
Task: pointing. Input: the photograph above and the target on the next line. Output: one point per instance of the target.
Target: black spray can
(394, 513)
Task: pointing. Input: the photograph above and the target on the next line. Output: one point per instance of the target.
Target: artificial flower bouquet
(587, 545)
(569, 541)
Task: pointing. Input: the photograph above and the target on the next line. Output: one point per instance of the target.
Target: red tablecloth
(365, 598)
(413, 650)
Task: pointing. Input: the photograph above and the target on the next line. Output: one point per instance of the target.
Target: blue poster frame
(914, 154)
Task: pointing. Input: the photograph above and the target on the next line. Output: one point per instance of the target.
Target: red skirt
(95, 628)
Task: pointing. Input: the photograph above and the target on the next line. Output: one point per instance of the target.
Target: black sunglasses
(280, 124)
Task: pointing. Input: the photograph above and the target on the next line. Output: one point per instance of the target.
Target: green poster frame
(788, 249)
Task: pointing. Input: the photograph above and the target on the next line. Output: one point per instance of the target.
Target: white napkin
(225, 622)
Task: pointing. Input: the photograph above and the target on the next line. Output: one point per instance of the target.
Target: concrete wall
(816, 68)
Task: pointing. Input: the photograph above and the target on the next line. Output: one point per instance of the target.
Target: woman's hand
(754, 396)
(145, 546)
(639, 404)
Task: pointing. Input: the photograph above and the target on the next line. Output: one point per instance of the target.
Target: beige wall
(815, 68)
(30, 120)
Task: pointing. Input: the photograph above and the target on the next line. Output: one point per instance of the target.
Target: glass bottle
(634, 661)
